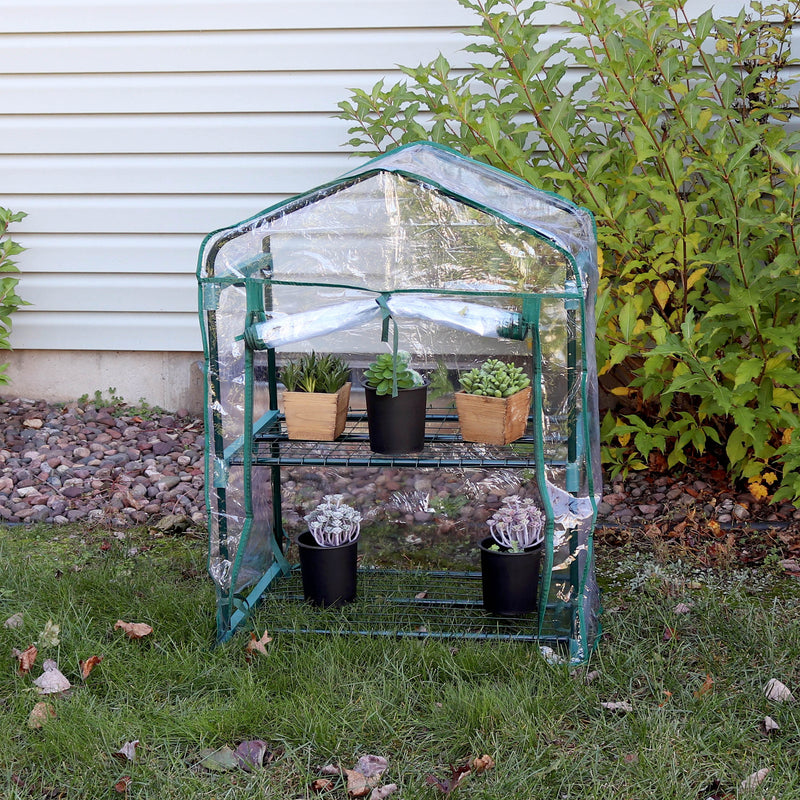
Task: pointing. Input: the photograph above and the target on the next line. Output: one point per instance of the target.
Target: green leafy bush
(9, 300)
(672, 131)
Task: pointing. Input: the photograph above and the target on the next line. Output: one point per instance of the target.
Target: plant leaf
(257, 645)
(482, 763)
(14, 621)
(753, 781)
(133, 630)
(40, 714)
(371, 766)
(26, 658)
(49, 636)
(383, 791)
(51, 681)
(622, 706)
(250, 754)
(708, 685)
(222, 760)
(777, 691)
(88, 665)
(121, 786)
(127, 751)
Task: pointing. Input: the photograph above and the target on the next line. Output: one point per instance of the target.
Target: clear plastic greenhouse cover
(458, 262)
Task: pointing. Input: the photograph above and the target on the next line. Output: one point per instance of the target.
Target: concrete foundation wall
(168, 380)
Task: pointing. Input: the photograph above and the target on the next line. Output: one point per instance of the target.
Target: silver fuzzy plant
(333, 522)
(517, 524)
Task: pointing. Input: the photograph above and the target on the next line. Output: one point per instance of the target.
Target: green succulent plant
(323, 374)
(380, 373)
(495, 378)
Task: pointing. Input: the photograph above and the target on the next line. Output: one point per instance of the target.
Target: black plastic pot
(329, 573)
(396, 424)
(510, 580)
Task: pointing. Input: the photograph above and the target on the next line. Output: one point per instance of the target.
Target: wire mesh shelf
(444, 447)
(415, 604)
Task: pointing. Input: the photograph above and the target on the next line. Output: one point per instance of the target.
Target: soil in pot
(329, 573)
(510, 580)
(396, 424)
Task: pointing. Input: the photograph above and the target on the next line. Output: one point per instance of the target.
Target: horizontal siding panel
(183, 15)
(42, 330)
(165, 174)
(188, 133)
(119, 253)
(134, 214)
(209, 92)
(227, 51)
(108, 292)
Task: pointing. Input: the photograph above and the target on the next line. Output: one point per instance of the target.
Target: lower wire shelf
(416, 604)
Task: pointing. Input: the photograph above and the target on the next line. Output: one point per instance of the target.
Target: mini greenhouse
(425, 251)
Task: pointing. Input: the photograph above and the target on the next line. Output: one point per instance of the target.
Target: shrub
(672, 132)
(9, 300)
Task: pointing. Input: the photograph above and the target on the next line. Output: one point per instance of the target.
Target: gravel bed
(77, 462)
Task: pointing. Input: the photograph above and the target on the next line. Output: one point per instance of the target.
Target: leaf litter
(133, 630)
(52, 681)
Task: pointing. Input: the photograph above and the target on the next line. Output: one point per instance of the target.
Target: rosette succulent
(517, 524)
(333, 522)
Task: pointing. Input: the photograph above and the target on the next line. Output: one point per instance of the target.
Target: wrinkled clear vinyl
(439, 256)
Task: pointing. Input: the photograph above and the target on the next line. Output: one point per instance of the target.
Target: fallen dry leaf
(669, 634)
(630, 758)
(121, 786)
(26, 658)
(446, 785)
(591, 676)
(330, 769)
(755, 780)
(133, 630)
(371, 766)
(623, 706)
(383, 791)
(708, 685)
(49, 636)
(88, 665)
(322, 785)
(221, 760)
(257, 645)
(682, 608)
(14, 621)
(41, 713)
(482, 763)
(777, 691)
(250, 754)
(357, 783)
(128, 751)
(421, 595)
(51, 681)
(769, 726)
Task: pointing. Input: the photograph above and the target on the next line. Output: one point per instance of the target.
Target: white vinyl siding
(129, 130)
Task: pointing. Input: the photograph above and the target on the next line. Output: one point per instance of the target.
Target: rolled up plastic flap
(290, 328)
(471, 317)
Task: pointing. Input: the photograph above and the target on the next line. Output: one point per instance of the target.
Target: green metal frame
(262, 443)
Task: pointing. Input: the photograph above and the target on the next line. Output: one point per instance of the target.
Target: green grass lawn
(694, 682)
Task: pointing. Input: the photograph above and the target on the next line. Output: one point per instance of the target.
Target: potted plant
(396, 397)
(328, 552)
(317, 396)
(510, 558)
(494, 404)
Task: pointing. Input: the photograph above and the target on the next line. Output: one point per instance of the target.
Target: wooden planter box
(493, 420)
(316, 416)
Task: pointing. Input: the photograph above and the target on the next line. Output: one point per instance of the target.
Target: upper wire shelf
(444, 448)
